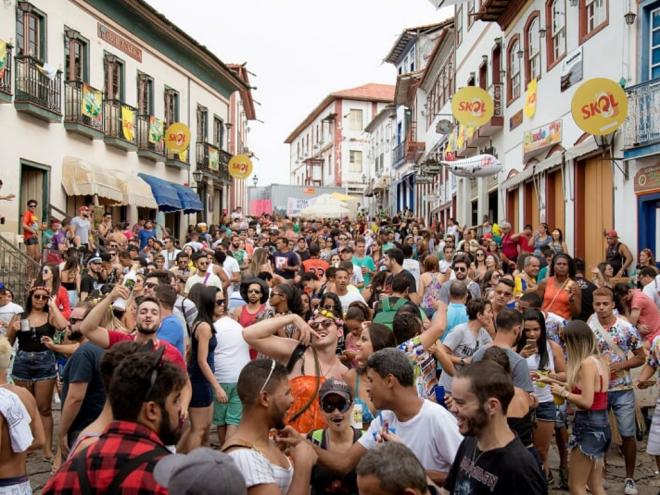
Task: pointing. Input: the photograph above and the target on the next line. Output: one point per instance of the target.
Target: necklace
(474, 453)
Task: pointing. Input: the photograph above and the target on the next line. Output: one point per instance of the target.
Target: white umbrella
(325, 206)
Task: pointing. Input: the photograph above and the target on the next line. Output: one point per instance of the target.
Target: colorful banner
(460, 138)
(91, 103)
(155, 134)
(472, 106)
(599, 106)
(177, 137)
(260, 206)
(3, 58)
(128, 123)
(214, 159)
(530, 99)
(183, 156)
(541, 138)
(240, 166)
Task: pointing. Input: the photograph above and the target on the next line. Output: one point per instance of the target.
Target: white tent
(326, 206)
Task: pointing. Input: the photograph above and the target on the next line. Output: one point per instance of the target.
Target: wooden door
(531, 213)
(555, 202)
(32, 187)
(512, 209)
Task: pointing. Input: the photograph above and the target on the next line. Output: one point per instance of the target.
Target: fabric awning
(81, 178)
(189, 199)
(136, 191)
(164, 193)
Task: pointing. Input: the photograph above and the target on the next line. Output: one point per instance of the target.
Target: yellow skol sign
(472, 106)
(599, 106)
(240, 167)
(530, 99)
(177, 137)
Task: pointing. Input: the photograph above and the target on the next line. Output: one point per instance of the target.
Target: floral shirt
(653, 360)
(424, 365)
(625, 336)
(553, 326)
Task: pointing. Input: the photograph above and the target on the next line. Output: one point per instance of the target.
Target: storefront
(647, 190)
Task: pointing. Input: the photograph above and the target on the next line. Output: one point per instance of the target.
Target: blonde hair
(580, 344)
(5, 353)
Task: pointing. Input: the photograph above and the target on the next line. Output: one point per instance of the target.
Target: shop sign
(530, 99)
(647, 179)
(423, 179)
(295, 205)
(118, 41)
(472, 106)
(542, 137)
(309, 190)
(515, 120)
(571, 69)
(177, 137)
(599, 106)
(240, 166)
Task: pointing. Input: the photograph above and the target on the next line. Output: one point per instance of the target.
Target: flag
(128, 123)
(183, 156)
(214, 159)
(48, 70)
(469, 132)
(530, 99)
(460, 139)
(91, 101)
(155, 130)
(3, 58)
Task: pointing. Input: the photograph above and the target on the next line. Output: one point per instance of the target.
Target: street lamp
(630, 18)
(255, 179)
(197, 175)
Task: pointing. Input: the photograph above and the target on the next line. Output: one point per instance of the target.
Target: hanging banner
(543, 137)
(91, 104)
(183, 156)
(177, 137)
(294, 205)
(469, 132)
(472, 106)
(214, 159)
(530, 99)
(571, 69)
(3, 58)
(240, 166)
(599, 106)
(460, 138)
(128, 123)
(155, 130)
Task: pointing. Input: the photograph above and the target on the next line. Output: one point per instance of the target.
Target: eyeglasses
(318, 324)
(270, 374)
(40, 297)
(154, 371)
(254, 291)
(219, 302)
(150, 285)
(460, 269)
(342, 405)
(73, 321)
(32, 206)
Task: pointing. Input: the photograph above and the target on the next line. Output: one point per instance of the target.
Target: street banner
(177, 138)
(260, 206)
(571, 69)
(3, 58)
(472, 106)
(91, 103)
(128, 122)
(599, 106)
(530, 99)
(155, 130)
(214, 159)
(294, 205)
(542, 137)
(240, 166)
(460, 138)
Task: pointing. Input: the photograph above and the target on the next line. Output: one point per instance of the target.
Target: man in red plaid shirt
(145, 395)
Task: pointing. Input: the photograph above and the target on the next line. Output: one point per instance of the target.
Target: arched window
(555, 12)
(514, 54)
(533, 49)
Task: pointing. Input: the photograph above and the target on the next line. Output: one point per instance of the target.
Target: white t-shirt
(7, 312)
(232, 352)
(257, 470)
(230, 266)
(170, 258)
(206, 279)
(432, 435)
(413, 267)
(651, 290)
(350, 297)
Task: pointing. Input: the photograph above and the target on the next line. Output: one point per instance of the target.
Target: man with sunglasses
(81, 226)
(170, 252)
(92, 280)
(202, 275)
(460, 267)
(31, 229)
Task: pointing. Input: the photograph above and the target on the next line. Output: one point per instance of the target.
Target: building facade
(330, 146)
(88, 88)
(379, 161)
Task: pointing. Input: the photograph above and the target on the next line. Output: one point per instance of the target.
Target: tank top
(614, 257)
(432, 292)
(542, 390)
(31, 341)
(556, 299)
(523, 428)
(304, 388)
(600, 398)
(194, 370)
(245, 318)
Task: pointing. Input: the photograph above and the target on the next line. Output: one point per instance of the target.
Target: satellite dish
(444, 126)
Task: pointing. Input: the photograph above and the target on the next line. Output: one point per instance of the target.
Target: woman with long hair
(544, 357)
(541, 238)
(430, 284)
(70, 276)
(49, 277)
(587, 381)
(479, 266)
(559, 292)
(490, 280)
(602, 274)
(377, 254)
(356, 314)
(35, 366)
(260, 262)
(372, 293)
(201, 366)
(645, 258)
(331, 302)
(492, 262)
(558, 245)
(284, 299)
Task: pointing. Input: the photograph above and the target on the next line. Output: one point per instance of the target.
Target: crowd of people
(373, 355)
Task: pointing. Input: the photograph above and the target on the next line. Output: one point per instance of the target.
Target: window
(171, 106)
(75, 56)
(145, 94)
(458, 25)
(593, 17)
(513, 73)
(470, 13)
(533, 49)
(355, 120)
(483, 75)
(218, 132)
(556, 16)
(31, 33)
(355, 161)
(202, 124)
(654, 48)
(114, 77)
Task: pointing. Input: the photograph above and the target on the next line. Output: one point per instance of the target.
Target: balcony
(177, 160)
(119, 125)
(38, 91)
(496, 122)
(399, 154)
(213, 161)
(83, 109)
(5, 79)
(641, 131)
(150, 138)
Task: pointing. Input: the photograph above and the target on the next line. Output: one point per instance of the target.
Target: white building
(379, 160)
(92, 83)
(329, 147)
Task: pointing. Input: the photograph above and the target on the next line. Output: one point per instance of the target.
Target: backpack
(386, 315)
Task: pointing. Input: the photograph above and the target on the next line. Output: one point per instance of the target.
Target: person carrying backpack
(388, 306)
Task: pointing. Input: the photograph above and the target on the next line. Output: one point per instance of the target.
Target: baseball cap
(202, 471)
(611, 233)
(337, 387)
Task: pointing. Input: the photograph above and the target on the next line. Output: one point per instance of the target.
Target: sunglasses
(73, 321)
(329, 307)
(219, 302)
(342, 405)
(272, 368)
(40, 297)
(32, 206)
(460, 269)
(151, 285)
(321, 324)
(254, 291)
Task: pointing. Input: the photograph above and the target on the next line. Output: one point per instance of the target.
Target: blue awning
(165, 194)
(189, 199)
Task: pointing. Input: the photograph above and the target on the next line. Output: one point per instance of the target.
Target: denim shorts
(34, 366)
(546, 411)
(561, 417)
(622, 403)
(32, 241)
(591, 433)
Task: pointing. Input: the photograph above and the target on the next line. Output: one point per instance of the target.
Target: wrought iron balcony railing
(642, 127)
(38, 85)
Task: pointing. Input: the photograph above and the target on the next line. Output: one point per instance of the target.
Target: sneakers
(629, 487)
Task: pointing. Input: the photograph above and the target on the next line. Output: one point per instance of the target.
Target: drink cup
(25, 325)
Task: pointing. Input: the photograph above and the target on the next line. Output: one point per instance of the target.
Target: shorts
(591, 433)
(202, 396)
(653, 447)
(230, 412)
(16, 485)
(561, 417)
(34, 366)
(32, 241)
(622, 403)
(547, 411)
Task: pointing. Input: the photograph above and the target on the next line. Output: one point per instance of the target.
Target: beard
(146, 331)
(477, 423)
(75, 335)
(167, 434)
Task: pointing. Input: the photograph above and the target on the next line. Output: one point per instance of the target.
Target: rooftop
(407, 36)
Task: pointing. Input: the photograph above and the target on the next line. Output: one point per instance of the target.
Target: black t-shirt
(510, 469)
(587, 308)
(88, 284)
(283, 259)
(303, 255)
(83, 367)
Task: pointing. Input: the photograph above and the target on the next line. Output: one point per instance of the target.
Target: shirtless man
(21, 439)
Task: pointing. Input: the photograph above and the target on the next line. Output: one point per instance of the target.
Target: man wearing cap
(81, 225)
(617, 254)
(93, 278)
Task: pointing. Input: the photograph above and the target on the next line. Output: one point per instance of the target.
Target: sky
(299, 51)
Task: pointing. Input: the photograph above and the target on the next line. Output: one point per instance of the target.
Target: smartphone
(531, 343)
